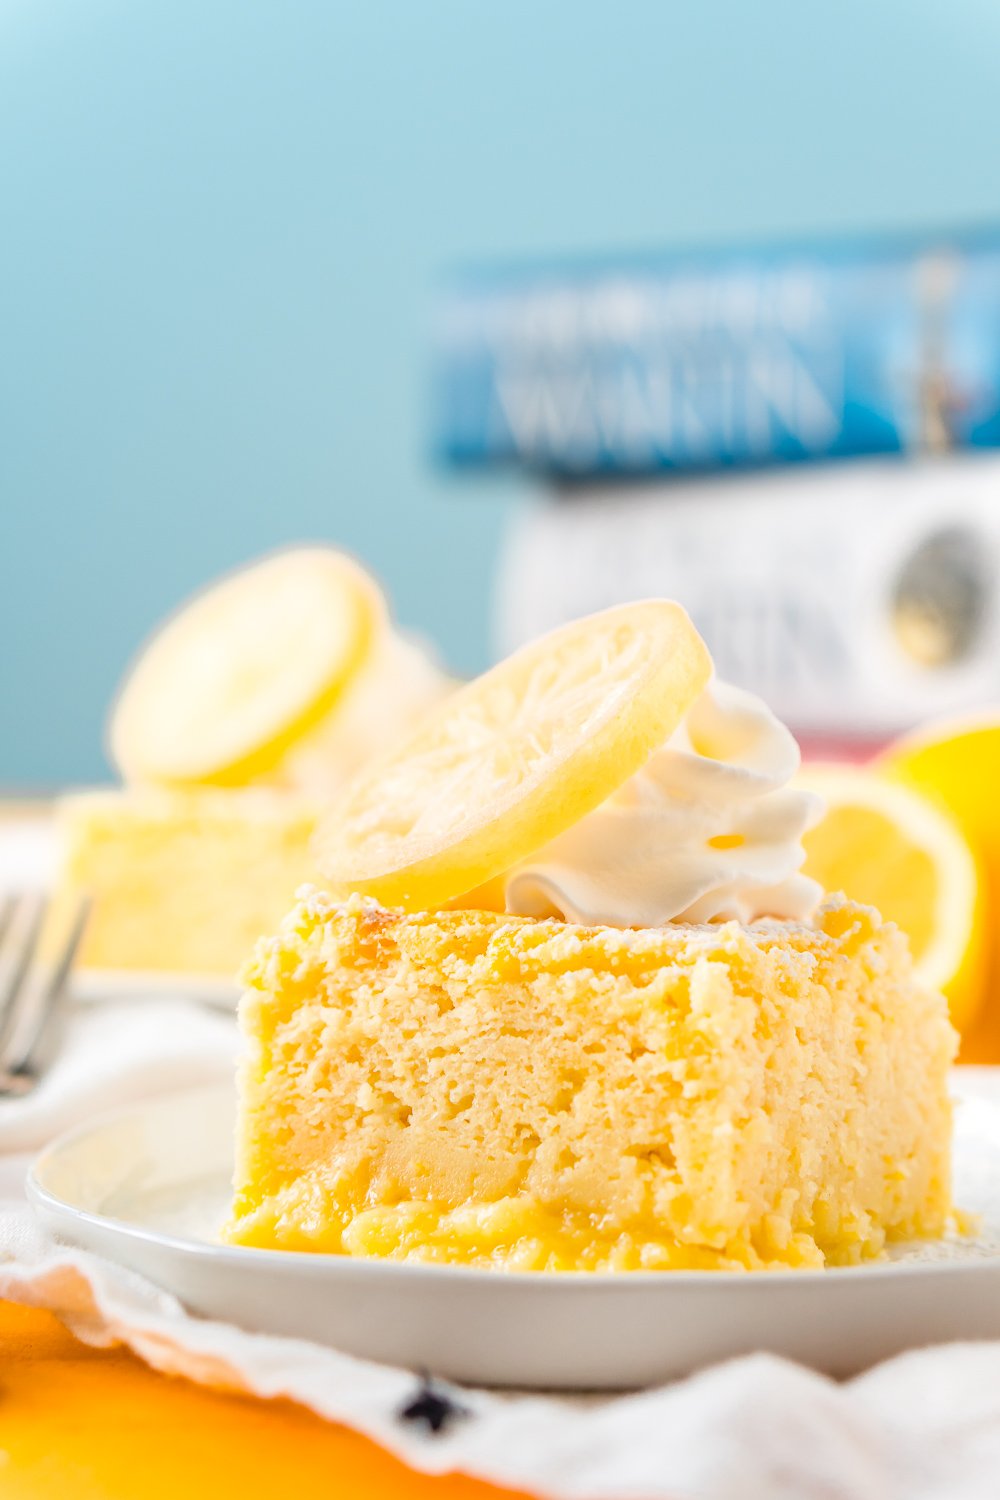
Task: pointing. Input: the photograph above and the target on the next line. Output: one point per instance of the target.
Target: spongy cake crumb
(476, 1088)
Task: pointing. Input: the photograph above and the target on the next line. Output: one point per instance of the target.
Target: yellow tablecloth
(85, 1424)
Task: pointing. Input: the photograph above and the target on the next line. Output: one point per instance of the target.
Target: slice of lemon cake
(476, 1088)
(181, 881)
(571, 1003)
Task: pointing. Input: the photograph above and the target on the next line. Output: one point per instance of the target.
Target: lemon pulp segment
(957, 762)
(515, 757)
(889, 846)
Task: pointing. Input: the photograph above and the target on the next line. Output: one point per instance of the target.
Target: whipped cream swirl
(707, 830)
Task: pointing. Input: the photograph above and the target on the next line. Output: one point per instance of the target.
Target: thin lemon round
(957, 761)
(515, 757)
(245, 668)
(895, 849)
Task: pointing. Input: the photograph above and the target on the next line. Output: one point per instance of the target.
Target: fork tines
(33, 984)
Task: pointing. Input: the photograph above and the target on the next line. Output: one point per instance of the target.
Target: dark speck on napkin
(432, 1407)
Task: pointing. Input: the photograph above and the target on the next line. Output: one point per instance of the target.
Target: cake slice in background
(183, 881)
(239, 719)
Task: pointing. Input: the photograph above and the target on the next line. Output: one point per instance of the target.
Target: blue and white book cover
(733, 358)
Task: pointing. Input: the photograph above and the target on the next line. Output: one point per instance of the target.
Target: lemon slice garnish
(247, 667)
(892, 847)
(515, 757)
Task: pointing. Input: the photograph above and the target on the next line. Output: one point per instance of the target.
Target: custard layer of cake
(182, 880)
(475, 1088)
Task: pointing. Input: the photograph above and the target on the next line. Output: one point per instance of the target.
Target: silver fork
(33, 989)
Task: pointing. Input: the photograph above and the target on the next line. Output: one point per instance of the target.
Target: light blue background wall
(220, 220)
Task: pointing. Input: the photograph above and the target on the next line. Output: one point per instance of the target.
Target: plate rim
(98, 985)
(313, 1263)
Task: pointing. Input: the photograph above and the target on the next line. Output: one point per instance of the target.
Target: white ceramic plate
(148, 1186)
(96, 985)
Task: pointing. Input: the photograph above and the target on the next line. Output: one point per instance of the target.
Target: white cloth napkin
(925, 1426)
(115, 1054)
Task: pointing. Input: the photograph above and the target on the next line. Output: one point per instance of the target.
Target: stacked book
(798, 442)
